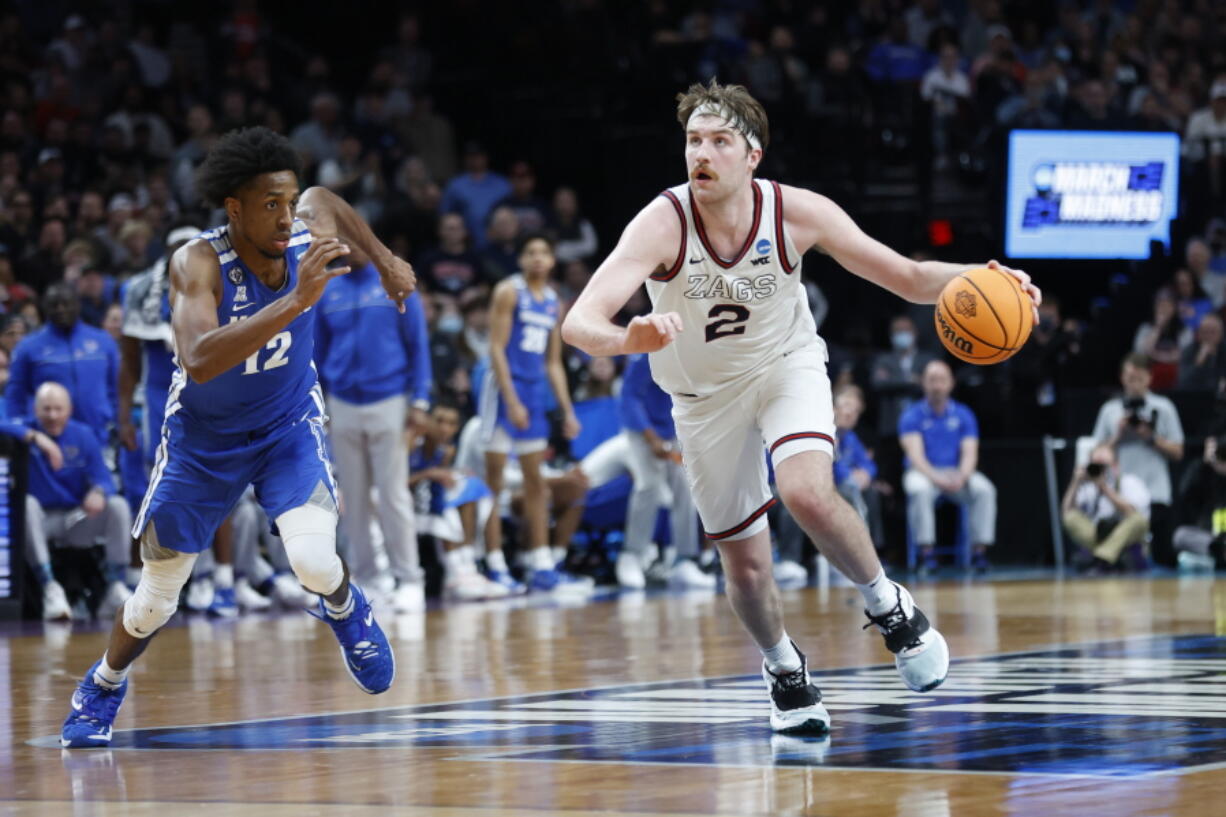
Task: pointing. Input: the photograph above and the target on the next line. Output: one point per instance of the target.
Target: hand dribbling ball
(984, 316)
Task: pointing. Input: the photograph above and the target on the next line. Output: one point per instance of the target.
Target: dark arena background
(1083, 142)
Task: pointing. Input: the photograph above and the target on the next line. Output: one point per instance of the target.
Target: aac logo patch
(236, 275)
(1139, 708)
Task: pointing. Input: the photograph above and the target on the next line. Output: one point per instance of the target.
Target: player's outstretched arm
(651, 240)
(329, 216)
(204, 348)
(816, 222)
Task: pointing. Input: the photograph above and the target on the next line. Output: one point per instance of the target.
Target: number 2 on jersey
(726, 326)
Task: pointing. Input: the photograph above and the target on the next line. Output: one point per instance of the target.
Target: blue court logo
(763, 246)
(1131, 709)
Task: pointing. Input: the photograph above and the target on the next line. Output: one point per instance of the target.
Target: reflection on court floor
(1125, 709)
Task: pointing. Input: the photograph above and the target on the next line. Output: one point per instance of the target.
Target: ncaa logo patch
(965, 303)
(236, 275)
(1133, 709)
(763, 246)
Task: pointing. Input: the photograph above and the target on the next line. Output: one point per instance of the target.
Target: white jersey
(739, 314)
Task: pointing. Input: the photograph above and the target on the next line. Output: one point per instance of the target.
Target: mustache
(706, 170)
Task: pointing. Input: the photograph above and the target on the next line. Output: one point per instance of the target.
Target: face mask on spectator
(902, 340)
(451, 324)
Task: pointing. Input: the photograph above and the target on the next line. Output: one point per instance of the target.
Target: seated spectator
(500, 258)
(72, 499)
(13, 293)
(895, 58)
(449, 504)
(356, 177)
(1205, 502)
(940, 438)
(531, 211)
(1163, 340)
(1199, 259)
(67, 350)
(576, 237)
(1105, 511)
(14, 329)
(1192, 299)
(98, 292)
(946, 87)
(895, 380)
(1143, 429)
(854, 468)
(1205, 135)
(1203, 364)
(452, 266)
(475, 192)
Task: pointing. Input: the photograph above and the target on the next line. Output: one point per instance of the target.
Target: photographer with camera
(1144, 430)
(1196, 542)
(1104, 511)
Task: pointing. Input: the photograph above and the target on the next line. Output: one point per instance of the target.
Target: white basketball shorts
(784, 409)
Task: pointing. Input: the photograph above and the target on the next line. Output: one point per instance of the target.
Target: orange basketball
(983, 316)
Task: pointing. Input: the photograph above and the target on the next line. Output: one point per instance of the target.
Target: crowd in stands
(106, 116)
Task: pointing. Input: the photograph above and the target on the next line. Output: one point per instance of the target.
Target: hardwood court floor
(626, 744)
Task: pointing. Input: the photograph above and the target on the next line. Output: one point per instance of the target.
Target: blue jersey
(531, 325)
(277, 384)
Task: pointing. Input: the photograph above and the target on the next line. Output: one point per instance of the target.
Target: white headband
(730, 119)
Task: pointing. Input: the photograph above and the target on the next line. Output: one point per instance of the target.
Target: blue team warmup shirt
(84, 360)
(83, 466)
(642, 404)
(942, 433)
(365, 349)
(851, 454)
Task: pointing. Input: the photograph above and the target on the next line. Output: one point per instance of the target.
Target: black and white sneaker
(920, 652)
(796, 703)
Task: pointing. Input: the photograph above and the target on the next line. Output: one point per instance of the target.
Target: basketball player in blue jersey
(733, 341)
(525, 353)
(245, 408)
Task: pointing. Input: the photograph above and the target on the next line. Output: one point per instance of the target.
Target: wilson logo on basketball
(964, 303)
(951, 337)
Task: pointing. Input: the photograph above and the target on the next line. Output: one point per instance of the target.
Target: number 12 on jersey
(279, 343)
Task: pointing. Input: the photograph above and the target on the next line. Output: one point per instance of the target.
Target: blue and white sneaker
(920, 652)
(505, 579)
(224, 604)
(367, 654)
(561, 583)
(93, 711)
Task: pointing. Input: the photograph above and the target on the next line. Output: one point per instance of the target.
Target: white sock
(541, 558)
(879, 594)
(223, 577)
(108, 677)
(468, 555)
(495, 560)
(342, 610)
(457, 565)
(558, 553)
(132, 576)
(782, 657)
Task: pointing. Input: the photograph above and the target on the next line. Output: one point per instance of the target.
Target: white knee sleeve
(157, 595)
(309, 535)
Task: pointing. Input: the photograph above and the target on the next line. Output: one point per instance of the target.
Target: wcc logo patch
(965, 303)
(1117, 710)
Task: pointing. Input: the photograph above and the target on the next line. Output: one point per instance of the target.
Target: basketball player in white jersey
(732, 340)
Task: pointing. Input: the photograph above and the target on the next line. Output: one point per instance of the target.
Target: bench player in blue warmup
(245, 408)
